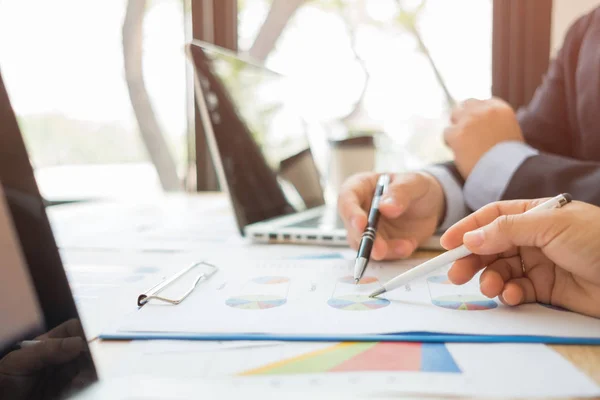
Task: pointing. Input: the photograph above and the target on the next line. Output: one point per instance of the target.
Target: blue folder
(402, 337)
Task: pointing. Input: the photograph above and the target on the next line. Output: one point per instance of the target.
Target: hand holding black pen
(368, 237)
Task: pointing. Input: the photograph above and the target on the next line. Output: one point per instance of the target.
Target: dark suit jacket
(563, 122)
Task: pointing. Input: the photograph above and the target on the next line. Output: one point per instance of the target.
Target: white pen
(456, 254)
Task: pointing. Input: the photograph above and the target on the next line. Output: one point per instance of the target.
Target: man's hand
(410, 212)
(477, 126)
(550, 256)
(59, 360)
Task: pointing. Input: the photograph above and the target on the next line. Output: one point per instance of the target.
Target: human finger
(380, 249)
(402, 248)
(355, 195)
(67, 329)
(454, 236)
(510, 231)
(402, 192)
(491, 284)
(47, 352)
(463, 270)
(463, 109)
(518, 291)
(499, 272)
(353, 242)
(354, 234)
(450, 133)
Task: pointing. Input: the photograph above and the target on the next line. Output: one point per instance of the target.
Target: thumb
(48, 352)
(509, 231)
(402, 191)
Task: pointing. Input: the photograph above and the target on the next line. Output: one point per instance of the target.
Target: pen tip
(356, 281)
(377, 293)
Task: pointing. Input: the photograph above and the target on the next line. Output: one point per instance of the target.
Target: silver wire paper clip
(152, 293)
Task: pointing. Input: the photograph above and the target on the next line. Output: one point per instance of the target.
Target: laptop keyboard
(323, 221)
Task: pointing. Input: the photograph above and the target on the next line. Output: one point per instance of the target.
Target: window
(378, 65)
(63, 65)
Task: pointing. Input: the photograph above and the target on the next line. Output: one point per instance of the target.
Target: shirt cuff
(492, 173)
(456, 208)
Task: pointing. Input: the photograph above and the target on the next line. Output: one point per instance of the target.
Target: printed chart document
(526, 370)
(320, 297)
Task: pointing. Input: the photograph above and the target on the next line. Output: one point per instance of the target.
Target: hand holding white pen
(462, 251)
(550, 257)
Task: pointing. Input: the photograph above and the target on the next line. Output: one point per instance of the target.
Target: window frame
(521, 35)
(213, 21)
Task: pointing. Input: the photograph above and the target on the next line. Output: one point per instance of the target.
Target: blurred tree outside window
(99, 88)
(63, 64)
(392, 66)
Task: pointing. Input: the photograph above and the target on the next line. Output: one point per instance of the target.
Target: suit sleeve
(494, 171)
(547, 175)
(545, 120)
(546, 126)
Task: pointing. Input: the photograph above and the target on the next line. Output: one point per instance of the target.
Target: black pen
(368, 237)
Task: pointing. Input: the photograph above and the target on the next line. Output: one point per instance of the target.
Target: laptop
(260, 147)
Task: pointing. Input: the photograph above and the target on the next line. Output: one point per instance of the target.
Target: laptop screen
(258, 140)
(36, 305)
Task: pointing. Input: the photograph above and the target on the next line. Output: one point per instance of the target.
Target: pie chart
(459, 302)
(365, 280)
(353, 302)
(255, 302)
(271, 280)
